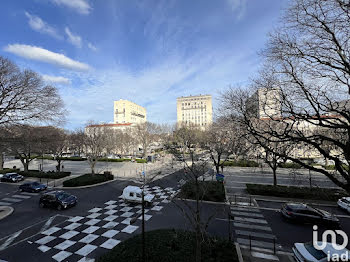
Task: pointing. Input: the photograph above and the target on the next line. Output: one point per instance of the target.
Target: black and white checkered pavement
(82, 238)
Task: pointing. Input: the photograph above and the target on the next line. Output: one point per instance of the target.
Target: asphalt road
(288, 233)
(20, 231)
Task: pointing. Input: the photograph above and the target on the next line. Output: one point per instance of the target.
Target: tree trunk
(25, 166)
(2, 160)
(274, 169)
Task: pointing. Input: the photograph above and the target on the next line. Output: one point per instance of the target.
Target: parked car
(58, 199)
(33, 187)
(303, 213)
(12, 177)
(307, 252)
(344, 203)
(133, 194)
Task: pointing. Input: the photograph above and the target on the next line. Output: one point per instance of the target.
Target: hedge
(87, 179)
(39, 174)
(241, 163)
(315, 193)
(9, 170)
(332, 167)
(169, 245)
(289, 165)
(114, 159)
(213, 191)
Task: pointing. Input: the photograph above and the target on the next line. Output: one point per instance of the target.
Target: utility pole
(143, 216)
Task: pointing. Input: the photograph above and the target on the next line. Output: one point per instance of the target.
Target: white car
(344, 203)
(133, 194)
(307, 252)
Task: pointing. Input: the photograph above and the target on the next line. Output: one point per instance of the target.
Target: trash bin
(220, 177)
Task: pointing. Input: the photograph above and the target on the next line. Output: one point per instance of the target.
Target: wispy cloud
(92, 47)
(56, 79)
(80, 6)
(44, 55)
(73, 39)
(155, 87)
(37, 24)
(238, 7)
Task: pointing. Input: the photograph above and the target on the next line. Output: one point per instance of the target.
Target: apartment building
(129, 112)
(195, 110)
(265, 103)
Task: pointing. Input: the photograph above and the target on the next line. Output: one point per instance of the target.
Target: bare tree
(187, 141)
(25, 98)
(94, 144)
(57, 143)
(145, 133)
(76, 141)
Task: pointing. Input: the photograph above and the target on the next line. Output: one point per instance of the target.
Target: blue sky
(149, 52)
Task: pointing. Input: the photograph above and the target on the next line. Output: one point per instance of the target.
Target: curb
(8, 211)
(203, 201)
(87, 186)
(284, 200)
(239, 252)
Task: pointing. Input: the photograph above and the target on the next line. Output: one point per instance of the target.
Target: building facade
(195, 110)
(265, 103)
(129, 112)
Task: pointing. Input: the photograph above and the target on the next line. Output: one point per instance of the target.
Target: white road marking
(5, 204)
(12, 199)
(20, 196)
(47, 224)
(250, 220)
(10, 240)
(254, 234)
(264, 256)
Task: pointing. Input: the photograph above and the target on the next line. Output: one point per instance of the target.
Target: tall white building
(129, 112)
(265, 103)
(195, 110)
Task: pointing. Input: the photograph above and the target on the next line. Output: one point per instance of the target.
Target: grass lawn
(211, 191)
(87, 179)
(315, 193)
(170, 245)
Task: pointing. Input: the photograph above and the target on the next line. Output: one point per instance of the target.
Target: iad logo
(321, 245)
(333, 236)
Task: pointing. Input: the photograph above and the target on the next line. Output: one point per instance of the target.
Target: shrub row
(114, 160)
(210, 190)
(8, 170)
(168, 245)
(39, 174)
(87, 179)
(296, 192)
(289, 165)
(332, 167)
(241, 163)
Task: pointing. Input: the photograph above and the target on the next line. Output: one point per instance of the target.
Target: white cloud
(238, 7)
(44, 55)
(81, 6)
(73, 39)
(56, 79)
(92, 47)
(156, 87)
(37, 24)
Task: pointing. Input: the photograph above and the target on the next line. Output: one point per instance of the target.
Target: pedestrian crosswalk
(253, 231)
(16, 198)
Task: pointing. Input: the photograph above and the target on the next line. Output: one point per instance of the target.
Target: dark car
(57, 199)
(33, 187)
(303, 213)
(12, 177)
